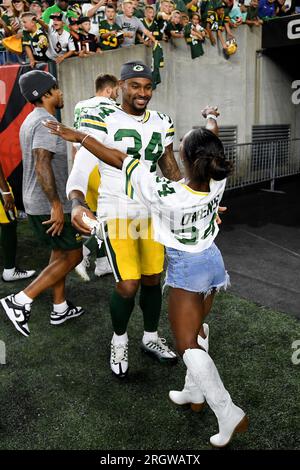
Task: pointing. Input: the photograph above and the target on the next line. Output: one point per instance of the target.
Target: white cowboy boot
(191, 393)
(203, 343)
(231, 418)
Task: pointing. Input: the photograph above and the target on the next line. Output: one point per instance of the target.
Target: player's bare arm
(79, 208)
(8, 200)
(46, 180)
(211, 123)
(108, 155)
(168, 165)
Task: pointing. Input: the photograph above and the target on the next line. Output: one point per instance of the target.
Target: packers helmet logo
(138, 68)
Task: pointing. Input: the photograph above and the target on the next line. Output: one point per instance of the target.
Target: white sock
(60, 308)
(120, 339)
(21, 298)
(9, 271)
(150, 336)
(85, 251)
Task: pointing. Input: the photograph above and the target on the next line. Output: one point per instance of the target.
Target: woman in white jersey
(184, 219)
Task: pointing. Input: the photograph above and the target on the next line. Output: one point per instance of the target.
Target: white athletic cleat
(119, 359)
(70, 312)
(159, 350)
(102, 267)
(17, 275)
(81, 268)
(18, 314)
(231, 418)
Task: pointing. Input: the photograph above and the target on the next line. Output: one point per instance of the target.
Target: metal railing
(263, 161)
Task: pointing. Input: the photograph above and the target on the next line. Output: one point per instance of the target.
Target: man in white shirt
(95, 10)
(61, 44)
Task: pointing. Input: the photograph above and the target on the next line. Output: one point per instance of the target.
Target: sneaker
(119, 359)
(71, 312)
(17, 275)
(102, 267)
(81, 268)
(160, 350)
(18, 314)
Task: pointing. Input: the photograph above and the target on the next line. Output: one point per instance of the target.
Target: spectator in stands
(216, 21)
(252, 18)
(175, 28)
(281, 8)
(111, 34)
(138, 9)
(96, 12)
(61, 44)
(12, 17)
(181, 6)
(61, 6)
(184, 19)
(35, 40)
(150, 24)
(74, 27)
(36, 8)
(266, 9)
(163, 17)
(192, 7)
(195, 35)
(45, 4)
(234, 13)
(130, 24)
(89, 42)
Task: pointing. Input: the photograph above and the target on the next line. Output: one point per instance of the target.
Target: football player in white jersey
(184, 219)
(106, 87)
(136, 259)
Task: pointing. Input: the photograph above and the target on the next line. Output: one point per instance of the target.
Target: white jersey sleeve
(138, 181)
(170, 130)
(84, 164)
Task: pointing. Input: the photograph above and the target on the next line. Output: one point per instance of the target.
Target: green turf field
(57, 392)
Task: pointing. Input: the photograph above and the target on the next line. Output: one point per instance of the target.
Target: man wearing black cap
(136, 259)
(45, 172)
(61, 44)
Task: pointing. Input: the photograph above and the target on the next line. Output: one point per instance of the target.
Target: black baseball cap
(56, 16)
(35, 84)
(83, 19)
(135, 69)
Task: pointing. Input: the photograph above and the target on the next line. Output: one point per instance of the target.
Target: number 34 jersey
(182, 218)
(141, 137)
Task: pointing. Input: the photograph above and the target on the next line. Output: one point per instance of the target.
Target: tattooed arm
(46, 180)
(168, 165)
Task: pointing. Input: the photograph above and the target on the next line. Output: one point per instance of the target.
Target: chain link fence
(262, 161)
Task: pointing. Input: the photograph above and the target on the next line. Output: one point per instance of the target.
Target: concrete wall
(249, 88)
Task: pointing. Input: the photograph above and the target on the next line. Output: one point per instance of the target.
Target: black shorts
(69, 239)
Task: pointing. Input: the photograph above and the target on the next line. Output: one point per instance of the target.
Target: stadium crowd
(38, 31)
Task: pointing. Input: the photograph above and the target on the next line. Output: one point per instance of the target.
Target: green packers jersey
(182, 218)
(216, 21)
(152, 27)
(194, 43)
(38, 42)
(112, 42)
(143, 137)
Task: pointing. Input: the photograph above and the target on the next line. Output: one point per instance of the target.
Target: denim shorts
(196, 272)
